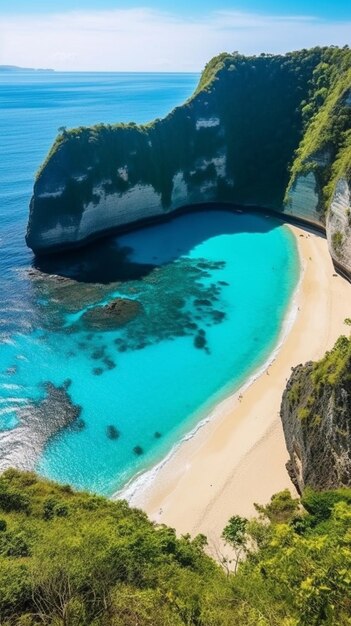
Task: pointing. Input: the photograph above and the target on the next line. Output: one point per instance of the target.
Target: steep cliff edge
(268, 131)
(316, 417)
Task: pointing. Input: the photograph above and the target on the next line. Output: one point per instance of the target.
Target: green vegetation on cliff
(332, 371)
(73, 559)
(335, 367)
(325, 148)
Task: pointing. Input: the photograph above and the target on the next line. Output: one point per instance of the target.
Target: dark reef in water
(116, 313)
(97, 371)
(138, 450)
(112, 432)
(200, 341)
(78, 425)
(166, 302)
(38, 423)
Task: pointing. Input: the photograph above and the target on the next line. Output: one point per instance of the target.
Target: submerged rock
(138, 450)
(78, 425)
(97, 371)
(112, 432)
(109, 363)
(115, 314)
(99, 353)
(200, 341)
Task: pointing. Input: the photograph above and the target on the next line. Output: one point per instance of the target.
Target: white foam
(133, 490)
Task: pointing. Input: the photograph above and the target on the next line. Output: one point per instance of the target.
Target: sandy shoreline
(239, 456)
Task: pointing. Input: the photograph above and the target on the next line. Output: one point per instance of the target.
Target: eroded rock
(315, 412)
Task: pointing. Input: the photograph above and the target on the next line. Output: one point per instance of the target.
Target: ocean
(92, 405)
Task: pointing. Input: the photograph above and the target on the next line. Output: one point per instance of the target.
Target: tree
(235, 535)
(281, 508)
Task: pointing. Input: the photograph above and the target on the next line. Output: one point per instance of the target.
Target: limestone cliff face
(320, 182)
(303, 200)
(233, 141)
(123, 175)
(316, 412)
(339, 225)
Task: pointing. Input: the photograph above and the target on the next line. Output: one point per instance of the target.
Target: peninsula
(16, 68)
(263, 131)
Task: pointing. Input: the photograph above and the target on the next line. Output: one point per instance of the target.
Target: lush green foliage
(311, 390)
(334, 367)
(209, 75)
(297, 573)
(326, 144)
(73, 559)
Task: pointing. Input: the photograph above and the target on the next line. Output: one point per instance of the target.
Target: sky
(162, 35)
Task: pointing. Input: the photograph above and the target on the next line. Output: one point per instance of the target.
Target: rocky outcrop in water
(115, 314)
(316, 417)
(268, 131)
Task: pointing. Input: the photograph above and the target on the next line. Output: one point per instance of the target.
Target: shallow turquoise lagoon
(92, 406)
(214, 289)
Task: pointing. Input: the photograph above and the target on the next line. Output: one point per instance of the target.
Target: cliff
(316, 412)
(267, 131)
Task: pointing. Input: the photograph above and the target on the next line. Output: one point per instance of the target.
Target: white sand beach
(239, 456)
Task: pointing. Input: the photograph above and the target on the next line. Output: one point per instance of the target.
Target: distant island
(16, 68)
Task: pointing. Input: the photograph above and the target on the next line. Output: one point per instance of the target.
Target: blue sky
(162, 35)
(328, 9)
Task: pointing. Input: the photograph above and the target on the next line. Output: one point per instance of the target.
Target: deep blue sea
(93, 405)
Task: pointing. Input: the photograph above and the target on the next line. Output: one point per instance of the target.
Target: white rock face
(52, 194)
(303, 199)
(54, 236)
(123, 173)
(204, 122)
(118, 209)
(111, 210)
(219, 161)
(339, 224)
(180, 190)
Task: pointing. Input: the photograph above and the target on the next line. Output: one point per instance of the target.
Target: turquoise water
(93, 405)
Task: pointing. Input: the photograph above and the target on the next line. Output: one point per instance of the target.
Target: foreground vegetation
(75, 559)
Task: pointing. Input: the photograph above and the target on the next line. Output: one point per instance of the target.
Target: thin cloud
(143, 39)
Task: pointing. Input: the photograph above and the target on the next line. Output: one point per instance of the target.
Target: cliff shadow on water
(117, 258)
